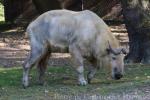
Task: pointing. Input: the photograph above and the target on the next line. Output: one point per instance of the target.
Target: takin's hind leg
(29, 63)
(42, 68)
(78, 64)
(32, 59)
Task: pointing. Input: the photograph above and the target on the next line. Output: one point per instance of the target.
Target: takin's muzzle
(117, 75)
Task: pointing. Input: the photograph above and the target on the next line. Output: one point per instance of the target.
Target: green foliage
(1, 12)
(61, 81)
(1, 2)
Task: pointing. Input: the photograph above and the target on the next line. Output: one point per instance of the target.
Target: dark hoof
(24, 86)
(89, 81)
(41, 83)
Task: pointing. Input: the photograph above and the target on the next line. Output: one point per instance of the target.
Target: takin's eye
(113, 58)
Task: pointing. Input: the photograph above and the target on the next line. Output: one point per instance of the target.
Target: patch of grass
(61, 83)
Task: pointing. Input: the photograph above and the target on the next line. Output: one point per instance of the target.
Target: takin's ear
(116, 51)
(120, 50)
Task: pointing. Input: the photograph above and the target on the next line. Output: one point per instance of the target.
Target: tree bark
(137, 19)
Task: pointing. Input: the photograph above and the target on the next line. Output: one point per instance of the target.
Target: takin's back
(61, 28)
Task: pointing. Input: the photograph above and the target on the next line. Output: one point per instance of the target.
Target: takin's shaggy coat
(84, 33)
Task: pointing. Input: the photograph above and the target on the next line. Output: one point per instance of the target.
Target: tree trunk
(15, 8)
(137, 19)
(43, 6)
(12, 9)
(101, 7)
(57, 4)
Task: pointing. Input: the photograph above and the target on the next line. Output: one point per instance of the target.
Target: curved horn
(114, 51)
(117, 51)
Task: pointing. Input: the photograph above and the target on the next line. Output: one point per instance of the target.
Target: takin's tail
(26, 35)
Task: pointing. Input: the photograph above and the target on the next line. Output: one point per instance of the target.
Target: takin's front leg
(78, 64)
(81, 79)
(91, 73)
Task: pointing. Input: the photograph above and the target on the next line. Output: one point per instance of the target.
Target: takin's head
(116, 58)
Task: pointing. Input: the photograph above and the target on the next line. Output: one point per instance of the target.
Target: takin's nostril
(118, 76)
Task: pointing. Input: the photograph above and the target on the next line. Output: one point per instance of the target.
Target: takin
(84, 33)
